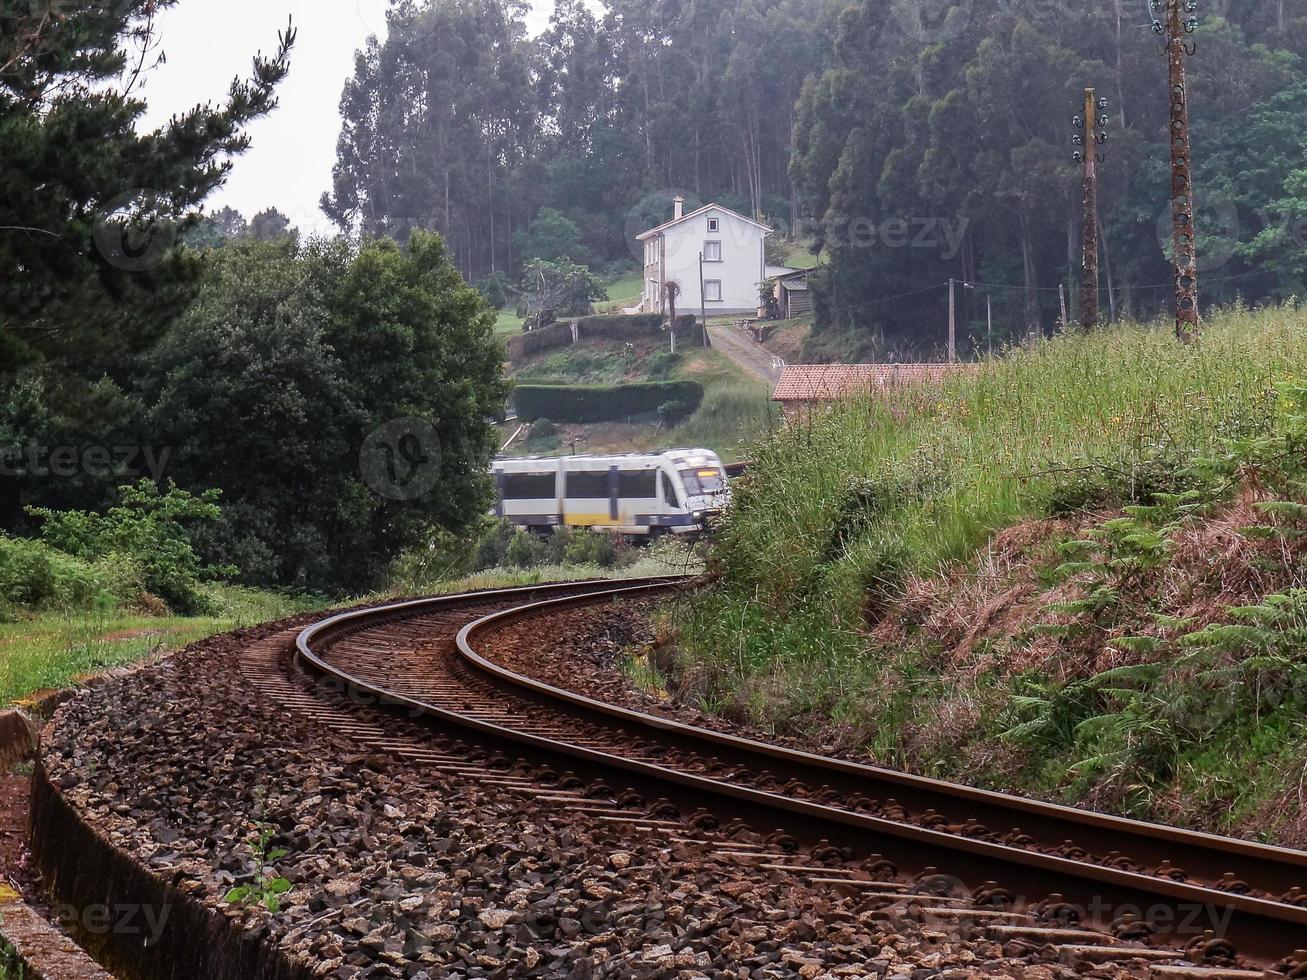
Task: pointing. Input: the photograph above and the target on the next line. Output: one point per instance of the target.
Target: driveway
(754, 359)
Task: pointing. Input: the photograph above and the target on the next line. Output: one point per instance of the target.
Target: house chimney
(678, 208)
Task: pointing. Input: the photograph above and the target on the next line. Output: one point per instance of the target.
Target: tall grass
(842, 507)
(736, 412)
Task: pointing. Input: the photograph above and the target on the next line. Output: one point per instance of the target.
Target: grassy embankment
(1078, 574)
(49, 649)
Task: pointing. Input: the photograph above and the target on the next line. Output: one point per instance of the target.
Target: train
(678, 492)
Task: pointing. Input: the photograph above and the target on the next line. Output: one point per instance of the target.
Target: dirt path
(753, 358)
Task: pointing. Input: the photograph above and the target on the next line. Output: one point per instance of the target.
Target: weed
(268, 886)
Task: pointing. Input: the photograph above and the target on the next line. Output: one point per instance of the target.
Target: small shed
(793, 298)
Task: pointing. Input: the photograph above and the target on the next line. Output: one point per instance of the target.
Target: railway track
(1085, 887)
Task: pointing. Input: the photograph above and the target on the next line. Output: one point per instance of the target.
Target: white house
(733, 266)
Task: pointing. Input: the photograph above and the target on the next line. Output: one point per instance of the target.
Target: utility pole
(952, 322)
(1092, 138)
(1182, 196)
(989, 320)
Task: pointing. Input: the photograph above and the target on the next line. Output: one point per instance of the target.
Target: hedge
(596, 403)
(637, 327)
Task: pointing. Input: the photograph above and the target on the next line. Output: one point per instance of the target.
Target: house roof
(794, 285)
(781, 271)
(830, 382)
(694, 214)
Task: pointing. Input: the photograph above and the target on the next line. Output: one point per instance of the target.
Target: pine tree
(91, 210)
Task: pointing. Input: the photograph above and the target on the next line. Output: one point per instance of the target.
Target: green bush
(36, 576)
(663, 364)
(582, 403)
(524, 550)
(542, 429)
(148, 531)
(589, 548)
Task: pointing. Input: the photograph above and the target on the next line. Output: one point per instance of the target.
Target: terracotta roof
(829, 382)
(694, 214)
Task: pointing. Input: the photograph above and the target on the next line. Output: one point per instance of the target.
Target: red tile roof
(830, 382)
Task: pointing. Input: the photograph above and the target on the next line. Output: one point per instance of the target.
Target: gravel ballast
(402, 870)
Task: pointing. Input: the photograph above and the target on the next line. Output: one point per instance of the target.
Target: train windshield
(705, 481)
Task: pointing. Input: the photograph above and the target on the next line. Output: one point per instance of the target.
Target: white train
(676, 492)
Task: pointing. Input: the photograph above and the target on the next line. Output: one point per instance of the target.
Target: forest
(904, 151)
(906, 148)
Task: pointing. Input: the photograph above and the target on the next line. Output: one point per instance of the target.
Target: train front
(707, 492)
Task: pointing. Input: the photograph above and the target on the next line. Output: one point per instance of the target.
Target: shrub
(33, 575)
(542, 429)
(589, 548)
(490, 547)
(524, 550)
(148, 529)
(494, 288)
(675, 411)
(662, 364)
(604, 404)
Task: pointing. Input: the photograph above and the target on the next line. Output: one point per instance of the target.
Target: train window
(699, 482)
(638, 485)
(587, 486)
(669, 492)
(530, 486)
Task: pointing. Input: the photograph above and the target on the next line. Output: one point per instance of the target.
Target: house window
(712, 251)
(712, 291)
(714, 225)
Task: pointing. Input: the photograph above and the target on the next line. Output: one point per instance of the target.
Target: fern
(1139, 645)
(1284, 508)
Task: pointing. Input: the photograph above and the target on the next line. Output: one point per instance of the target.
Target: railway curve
(1074, 878)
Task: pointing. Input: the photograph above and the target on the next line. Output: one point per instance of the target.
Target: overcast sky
(208, 42)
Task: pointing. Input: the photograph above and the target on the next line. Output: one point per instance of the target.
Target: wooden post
(1089, 278)
(952, 322)
(1061, 295)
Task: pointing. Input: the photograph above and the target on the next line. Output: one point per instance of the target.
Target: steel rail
(1257, 925)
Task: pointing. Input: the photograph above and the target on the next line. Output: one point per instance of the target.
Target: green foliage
(495, 289)
(588, 548)
(268, 886)
(562, 288)
(288, 339)
(34, 575)
(524, 550)
(270, 225)
(150, 530)
(542, 429)
(878, 134)
(629, 328)
(840, 509)
(553, 237)
(463, 118)
(604, 404)
(89, 268)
